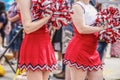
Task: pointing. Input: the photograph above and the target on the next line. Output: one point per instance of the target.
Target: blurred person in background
(3, 20)
(93, 2)
(115, 49)
(102, 44)
(3, 23)
(16, 25)
(57, 45)
(67, 34)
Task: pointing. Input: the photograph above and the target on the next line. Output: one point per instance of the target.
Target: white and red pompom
(111, 17)
(60, 8)
(110, 35)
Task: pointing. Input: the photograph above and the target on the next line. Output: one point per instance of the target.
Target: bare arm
(1, 25)
(13, 19)
(28, 25)
(79, 21)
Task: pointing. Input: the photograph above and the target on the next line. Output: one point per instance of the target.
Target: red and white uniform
(36, 51)
(81, 51)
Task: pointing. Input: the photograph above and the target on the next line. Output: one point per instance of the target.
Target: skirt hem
(37, 67)
(82, 66)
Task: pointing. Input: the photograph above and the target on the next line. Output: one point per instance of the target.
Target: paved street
(111, 70)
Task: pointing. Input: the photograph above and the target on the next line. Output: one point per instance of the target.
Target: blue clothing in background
(2, 19)
(101, 47)
(93, 2)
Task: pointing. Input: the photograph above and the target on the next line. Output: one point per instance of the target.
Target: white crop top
(90, 13)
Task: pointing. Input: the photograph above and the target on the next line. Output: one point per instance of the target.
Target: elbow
(27, 29)
(27, 26)
(80, 28)
(27, 32)
(81, 31)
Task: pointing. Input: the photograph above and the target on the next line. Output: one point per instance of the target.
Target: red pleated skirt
(81, 52)
(36, 51)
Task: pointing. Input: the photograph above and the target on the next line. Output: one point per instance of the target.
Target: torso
(86, 41)
(42, 30)
(81, 51)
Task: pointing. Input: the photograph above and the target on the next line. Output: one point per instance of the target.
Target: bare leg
(15, 54)
(59, 61)
(104, 56)
(34, 75)
(95, 75)
(67, 73)
(46, 75)
(77, 74)
(59, 56)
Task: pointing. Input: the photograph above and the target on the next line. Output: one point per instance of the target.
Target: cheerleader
(36, 52)
(81, 56)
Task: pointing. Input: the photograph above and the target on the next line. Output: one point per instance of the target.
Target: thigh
(46, 74)
(77, 74)
(67, 73)
(95, 75)
(34, 75)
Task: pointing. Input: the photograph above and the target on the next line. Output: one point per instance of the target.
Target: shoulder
(78, 7)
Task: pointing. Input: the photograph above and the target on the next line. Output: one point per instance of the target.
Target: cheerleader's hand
(47, 16)
(105, 26)
(48, 13)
